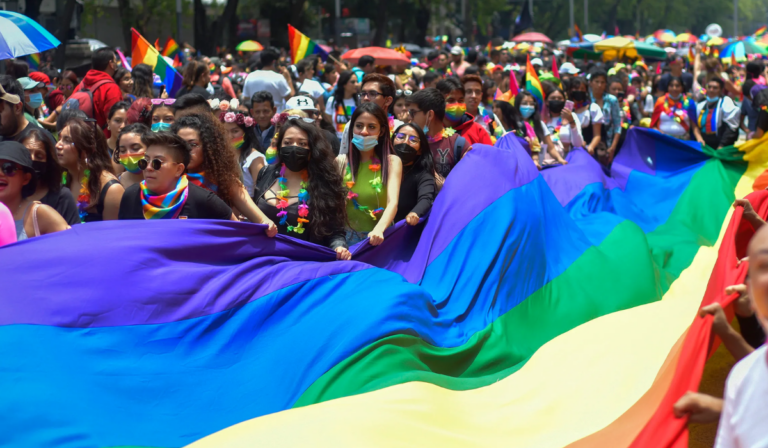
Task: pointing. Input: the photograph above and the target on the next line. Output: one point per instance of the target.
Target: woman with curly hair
(82, 151)
(213, 166)
(240, 132)
(302, 190)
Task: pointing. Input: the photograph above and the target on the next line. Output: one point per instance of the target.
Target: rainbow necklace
(376, 185)
(282, 203)
(447, 133)
(84, 197)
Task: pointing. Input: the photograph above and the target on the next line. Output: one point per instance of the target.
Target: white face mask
(209, 89)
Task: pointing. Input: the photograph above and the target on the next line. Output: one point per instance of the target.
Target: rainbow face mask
(131, 162)
(454, 112)
(237, 143)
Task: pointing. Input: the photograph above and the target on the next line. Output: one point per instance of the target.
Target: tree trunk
(63, 32)
(32, 9)
(203, 41)
(225, 23)
(423, 15)
(126, 20)
(381, 25)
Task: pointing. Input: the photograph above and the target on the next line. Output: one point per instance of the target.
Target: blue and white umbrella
(20, 36)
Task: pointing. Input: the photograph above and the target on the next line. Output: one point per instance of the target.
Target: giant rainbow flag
(145, 53)
(545, 309)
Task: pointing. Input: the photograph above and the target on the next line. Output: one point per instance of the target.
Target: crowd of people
(336, 153)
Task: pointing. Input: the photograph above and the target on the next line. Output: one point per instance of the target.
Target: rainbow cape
(532, 83)
(555, 308)
(302, 46)
(144, 53)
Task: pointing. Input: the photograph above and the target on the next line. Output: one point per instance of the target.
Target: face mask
(556, 106)
(454, 112)
(406, 153)
(209, 89)
(620, 96)
(295, 158)
(579, 96)
(365, 143)
(40, 168)
(35, 100)
(131, 162)
(527, 111)
(712, 100)
(675, 97)
(160, 127)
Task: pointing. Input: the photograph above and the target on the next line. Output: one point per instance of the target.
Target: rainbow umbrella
(741, 49)
(686, 37)
(716, 41)
(249, 45)
(20, 36)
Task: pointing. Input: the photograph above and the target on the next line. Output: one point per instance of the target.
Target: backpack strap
(99, 84)
(458, 148)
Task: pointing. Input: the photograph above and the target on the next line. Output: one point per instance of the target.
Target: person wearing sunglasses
(165, 192)
(372, 174)
(162, 114)
(302, 191)
(130, 150)
(17, 185)
(417, 190)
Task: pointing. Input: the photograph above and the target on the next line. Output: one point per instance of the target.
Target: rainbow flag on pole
(34, 62)
(579, 328)
(173, 51)
(144, 53)
(532, 83)
(302, 46)
(760, 31)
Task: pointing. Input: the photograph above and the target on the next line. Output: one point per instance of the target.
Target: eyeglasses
(372, 94)
(10, 169)
(305, 120)
(411, 138)
(144, 164)
(167, 101)
(413, 112)
(67, 87)
(403, 92)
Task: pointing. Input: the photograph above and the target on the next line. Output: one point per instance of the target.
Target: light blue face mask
(712, 100)
(160, 127)
(366, 143)
(527, 111)
(35, 100)
(675, 97)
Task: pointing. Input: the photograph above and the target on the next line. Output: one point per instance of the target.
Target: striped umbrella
(741, 49)
(20, 36)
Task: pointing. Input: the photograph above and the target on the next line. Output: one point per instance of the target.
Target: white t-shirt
(247, 178)
(338, 116)
(574, 140)
(268, 81)
(649, 104)
(313, 89)
(592, 114)
(744, 420)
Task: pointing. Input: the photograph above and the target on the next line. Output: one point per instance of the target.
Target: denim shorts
(354, 237)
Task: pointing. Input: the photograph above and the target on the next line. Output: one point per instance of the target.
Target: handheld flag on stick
(514, 88)
(173, 51)
(760, 31)
(144, 53)
(555, 71)
(157, 45)
(578, 32)
(124, 61)
(532, 83)
(302, 46)
(691, 56)
(658, 68)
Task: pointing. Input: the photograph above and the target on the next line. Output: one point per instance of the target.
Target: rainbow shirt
(342, 116)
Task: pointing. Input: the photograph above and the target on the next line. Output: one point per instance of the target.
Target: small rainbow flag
(34, 61)
(760, 31)
(144, 53)
(301, 46)
(691, 56)
(532, 83)
(171, 48)
(578, 32)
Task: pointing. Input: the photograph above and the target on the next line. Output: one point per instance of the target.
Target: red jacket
(104, 97)
(473, 132)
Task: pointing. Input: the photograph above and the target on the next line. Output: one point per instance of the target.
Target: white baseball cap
(301, 103)
(568, 68)
(456, 50)
(537, 61)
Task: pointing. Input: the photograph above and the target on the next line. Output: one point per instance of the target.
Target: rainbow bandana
(166, 206)
(455, 111)
(237, 143)
(199, 180)
(131, 162)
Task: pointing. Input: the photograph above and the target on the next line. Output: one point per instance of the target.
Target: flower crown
(279, 119)
(231, 117)
(223, 105)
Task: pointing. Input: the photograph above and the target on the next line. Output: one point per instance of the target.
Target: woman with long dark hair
(142, 81)
(162, 114)
(82, 151)
(116, 121)
(302, 190)
(590, 115)
(418, 189)
(124, 80)
(344, 101)
(675, 113)
(563, 125)
(528, 107)
(213, 166)
(250, 156)
(196, 79)
(49, 190)
(129, 151)
(372, 174)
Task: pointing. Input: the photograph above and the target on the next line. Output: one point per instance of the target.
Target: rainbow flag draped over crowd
(554, 308)
(142, 52)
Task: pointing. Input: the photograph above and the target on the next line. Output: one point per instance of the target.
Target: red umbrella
(532, 37)
(383, 56)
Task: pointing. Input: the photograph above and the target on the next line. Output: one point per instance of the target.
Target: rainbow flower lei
(84, 197)
(282, 204)
(376, 185)
(447, 133)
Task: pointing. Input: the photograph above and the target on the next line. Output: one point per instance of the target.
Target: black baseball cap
(16, 152)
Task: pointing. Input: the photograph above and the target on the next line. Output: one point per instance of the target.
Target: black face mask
(579, 96)
(556, 106)
(406, 153)
(620, 96)
(295, 158)
(40, 168)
